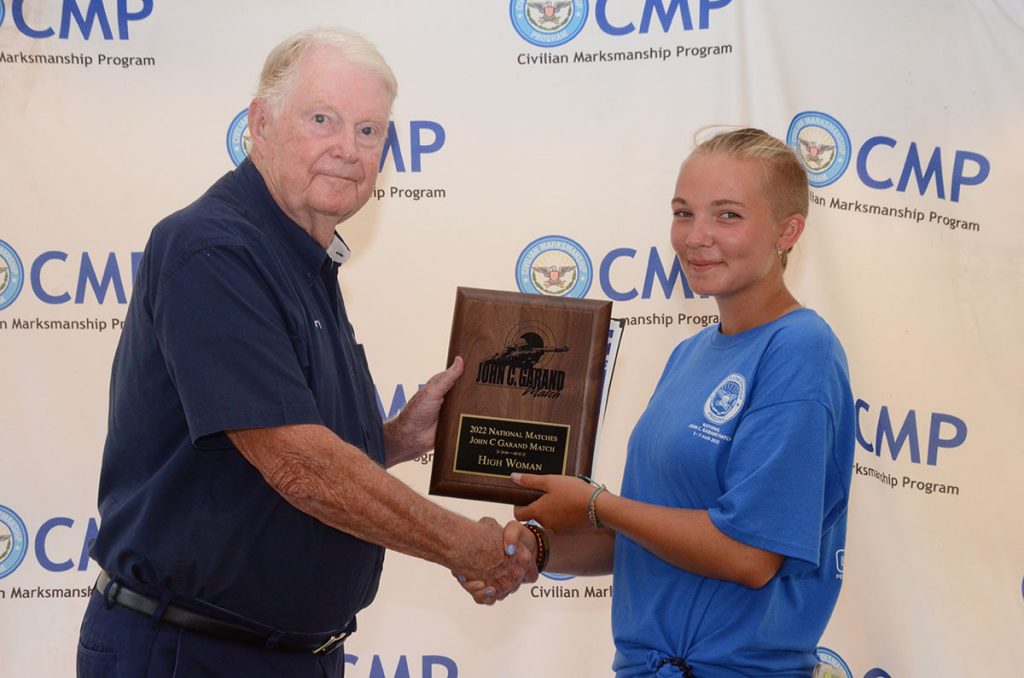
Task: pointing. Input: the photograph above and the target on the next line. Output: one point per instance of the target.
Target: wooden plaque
(529, 398)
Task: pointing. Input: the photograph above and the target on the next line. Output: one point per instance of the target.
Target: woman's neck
(740, 315)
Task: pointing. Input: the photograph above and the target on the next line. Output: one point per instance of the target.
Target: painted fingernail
(488, 592)
(510, 549)
(462, 579)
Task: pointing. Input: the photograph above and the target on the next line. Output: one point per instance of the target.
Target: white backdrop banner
(519, 131)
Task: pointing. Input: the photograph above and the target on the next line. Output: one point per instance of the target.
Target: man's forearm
(336, 483)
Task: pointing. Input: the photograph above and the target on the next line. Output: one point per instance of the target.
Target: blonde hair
(785, 180)
(278, 75)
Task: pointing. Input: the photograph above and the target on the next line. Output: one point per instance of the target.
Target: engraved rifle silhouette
(525, 353)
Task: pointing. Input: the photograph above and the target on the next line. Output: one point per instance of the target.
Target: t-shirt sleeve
(774, 481)
(230, 349)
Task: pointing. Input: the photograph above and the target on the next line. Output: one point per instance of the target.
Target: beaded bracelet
(591, 511)
(543, 550)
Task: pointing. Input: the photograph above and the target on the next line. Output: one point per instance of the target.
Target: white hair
(278, 75)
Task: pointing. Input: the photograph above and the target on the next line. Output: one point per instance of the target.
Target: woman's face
(723, 227)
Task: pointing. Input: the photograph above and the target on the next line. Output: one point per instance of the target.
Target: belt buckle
(332, 643)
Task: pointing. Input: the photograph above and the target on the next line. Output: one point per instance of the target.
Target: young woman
(724, 544)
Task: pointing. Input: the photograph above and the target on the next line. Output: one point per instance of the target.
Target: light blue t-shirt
(757, 428)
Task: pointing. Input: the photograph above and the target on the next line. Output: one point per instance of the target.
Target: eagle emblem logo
(554, 273)
(726, 400)
(554, 279)
(548, 23)
(554, 265)
(549, 16)
(822, 145)
(816, 154)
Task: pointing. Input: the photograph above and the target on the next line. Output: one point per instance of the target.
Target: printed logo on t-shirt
(725, 401)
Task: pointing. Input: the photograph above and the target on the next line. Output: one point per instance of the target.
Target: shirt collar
(338, 250)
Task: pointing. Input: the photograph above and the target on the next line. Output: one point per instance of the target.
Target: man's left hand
(412, 432)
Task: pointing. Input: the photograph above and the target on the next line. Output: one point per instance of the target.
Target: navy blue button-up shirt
(236, 321)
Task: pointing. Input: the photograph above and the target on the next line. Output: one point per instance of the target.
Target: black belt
(115, 592)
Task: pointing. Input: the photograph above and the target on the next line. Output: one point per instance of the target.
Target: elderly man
(245, 508)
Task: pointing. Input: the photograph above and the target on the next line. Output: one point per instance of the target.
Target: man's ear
(259, 117)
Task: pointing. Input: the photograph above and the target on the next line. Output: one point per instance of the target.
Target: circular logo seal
(831, 665)
(556, 266)
(12, 541)
(2, 12)
(238, 138)
(725, 401)
(548, 24)
(822, 145)
(12, 275)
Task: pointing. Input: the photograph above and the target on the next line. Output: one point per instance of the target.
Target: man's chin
(341, 209)
(338, 201)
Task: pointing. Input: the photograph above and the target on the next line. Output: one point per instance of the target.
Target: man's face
(320, 153)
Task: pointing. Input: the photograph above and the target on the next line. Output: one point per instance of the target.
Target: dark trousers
(118, 643)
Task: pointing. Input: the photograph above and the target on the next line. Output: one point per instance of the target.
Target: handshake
(490, 561)
(507, 557)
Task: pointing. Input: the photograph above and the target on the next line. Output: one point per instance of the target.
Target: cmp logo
(71, 18)
(12, 541)
(556, 266)
(831, 665)
(725, 401)
(822, 145)
(238, 140)
(548, 24)
(12, 275)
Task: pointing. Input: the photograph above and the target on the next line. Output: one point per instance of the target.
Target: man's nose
(344, 147)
